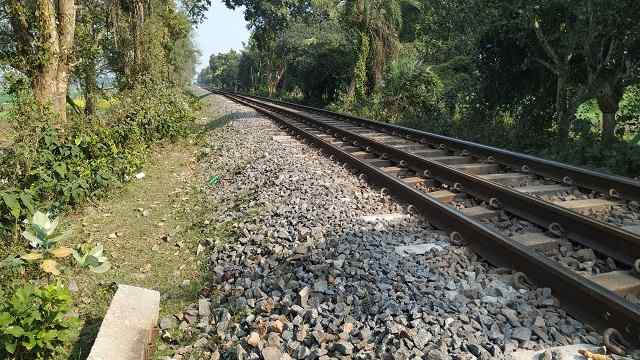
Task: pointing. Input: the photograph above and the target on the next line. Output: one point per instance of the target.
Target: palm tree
(378, 23)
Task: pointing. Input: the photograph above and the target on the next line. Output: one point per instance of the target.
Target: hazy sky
(222, 31)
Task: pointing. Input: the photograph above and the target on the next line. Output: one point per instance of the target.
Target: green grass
(150, 231)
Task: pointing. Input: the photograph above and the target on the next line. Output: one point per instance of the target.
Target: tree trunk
(56, 27)
(564, 117)
(608, 127)
(609, 95)
(137, 25)
(90, 88)
(360, 70)
(66, 28)
(43, 85)
(609, 106)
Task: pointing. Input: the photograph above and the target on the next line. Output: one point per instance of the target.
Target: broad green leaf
(33, 239)
(30, 343)
(97, 251)
(40, 219)
(13, 330)
(27, 201)
(5, 319)
(91, 261)
(51, 226)
(60, 237)
(12, 203)
(61, 169)
(10, 347)
(79, 258)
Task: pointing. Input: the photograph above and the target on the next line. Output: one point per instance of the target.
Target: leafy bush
(35, 321)
(51, 168)
(44, 240)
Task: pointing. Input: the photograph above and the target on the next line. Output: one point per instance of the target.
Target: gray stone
(585, 255)
(437, 355)
(521, 333)
(422, 338)
(271, 353)
(168, 322)
(204, 308)
(343, 348)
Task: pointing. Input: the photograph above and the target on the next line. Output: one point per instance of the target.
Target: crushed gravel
(306, 276)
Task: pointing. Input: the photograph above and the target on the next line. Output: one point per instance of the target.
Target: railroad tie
(620, 282)
(410, 147)
(363, 155)
(545, 189)
(453, 160)
(396, 170)
(415, 181)
(350, 149)
(443, 195)
(379, 162)
(430, 153)
(478, 169)
(511, 179)
(584, 205)
(479, 212)
(537, 241)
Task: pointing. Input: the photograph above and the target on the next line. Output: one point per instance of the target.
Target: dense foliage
(536, 76)
(35, 321)
(51, 168)
(88, 87)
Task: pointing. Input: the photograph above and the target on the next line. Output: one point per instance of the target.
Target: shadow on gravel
(225, 119)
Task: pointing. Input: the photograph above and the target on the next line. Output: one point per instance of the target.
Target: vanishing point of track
(431, 172)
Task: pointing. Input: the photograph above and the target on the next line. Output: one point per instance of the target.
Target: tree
(89, 47)
(267, 19)
(593, 49)
(222, 72)
(315, 45)
(42, 47)
(377, 23)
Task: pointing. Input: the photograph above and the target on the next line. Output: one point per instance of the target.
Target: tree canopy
(492, 69)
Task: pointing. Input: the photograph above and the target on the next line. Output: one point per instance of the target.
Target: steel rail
(612, 241)
(622, 187)
(583, 298)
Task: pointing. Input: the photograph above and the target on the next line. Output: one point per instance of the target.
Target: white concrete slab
(128, 327)
(417, 249)
(569, 352)
(390, 218)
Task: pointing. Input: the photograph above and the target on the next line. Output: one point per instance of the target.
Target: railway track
(471, 191)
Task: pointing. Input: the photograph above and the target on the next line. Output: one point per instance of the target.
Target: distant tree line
(539, 76)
